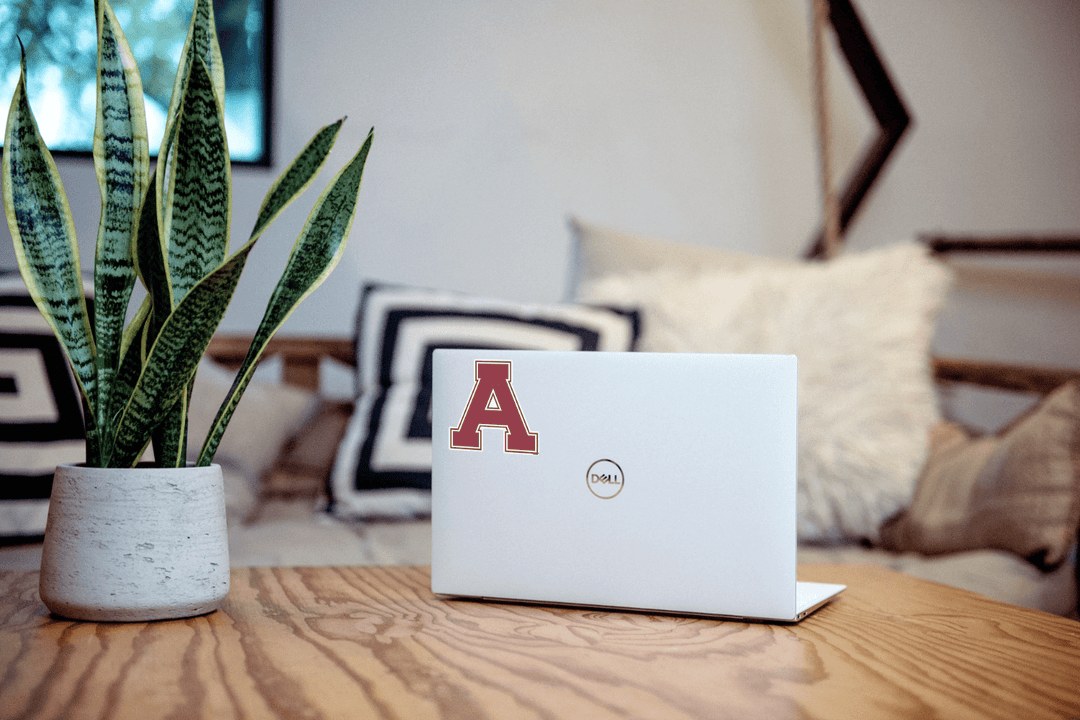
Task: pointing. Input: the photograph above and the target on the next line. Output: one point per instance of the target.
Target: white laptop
(641, 481)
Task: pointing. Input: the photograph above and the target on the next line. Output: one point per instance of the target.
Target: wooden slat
(1003, 376)
(885, 103)
(227, 347)
(1018, 244)
(300, 356)
(1006, 376)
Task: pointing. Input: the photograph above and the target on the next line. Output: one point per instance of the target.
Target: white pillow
(268, 416)
(600, 251)
(860, 325)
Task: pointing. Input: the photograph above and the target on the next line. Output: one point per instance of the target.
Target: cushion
(311, 451)
(383, 465)
(1018, 490)
(268, 416)
(308, 457)
(601, 251)
(861, 327)
(40, 412)
(995, 574)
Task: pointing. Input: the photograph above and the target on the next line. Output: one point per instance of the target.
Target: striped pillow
(383, 464)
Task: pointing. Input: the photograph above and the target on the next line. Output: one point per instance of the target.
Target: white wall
(495, 121)
(995, 88)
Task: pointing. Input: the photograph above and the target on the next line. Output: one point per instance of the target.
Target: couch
(884, 478)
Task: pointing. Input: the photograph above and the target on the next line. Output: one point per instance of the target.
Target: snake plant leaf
(198, 186)
(150, 261)
(314, 255)
(196, 223)
(201, 42)
(297, 177)
(44, 236)
(135, 330)
(171, 444)
(170, 437)
(171, 231)
(172, 359)
(291, 183)
(122, 162)
(133, 348)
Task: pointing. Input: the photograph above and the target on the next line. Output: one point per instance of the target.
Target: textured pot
(135, 544)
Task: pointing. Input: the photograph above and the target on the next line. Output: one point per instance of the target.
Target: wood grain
(373, 642)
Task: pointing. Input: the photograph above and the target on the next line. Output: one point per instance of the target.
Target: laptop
(656, 482)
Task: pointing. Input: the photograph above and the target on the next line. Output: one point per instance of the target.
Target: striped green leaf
(172, 359)
(44, 236)
(122, 162)
(201, 42)
(170, 437)
(196, 179)
(198, 186)
(291, 183)
(314, 255)
(171, 231)
(150, 261)
(297, 177)
(134, 346)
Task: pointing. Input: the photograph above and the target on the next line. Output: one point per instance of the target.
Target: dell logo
(604, 479)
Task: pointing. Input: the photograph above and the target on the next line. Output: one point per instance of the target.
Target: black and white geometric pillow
(383, 464)
(40, 412)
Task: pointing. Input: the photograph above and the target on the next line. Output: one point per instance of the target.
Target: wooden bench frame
(301, 356)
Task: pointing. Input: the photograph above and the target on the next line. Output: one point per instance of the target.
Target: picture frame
(59, 38)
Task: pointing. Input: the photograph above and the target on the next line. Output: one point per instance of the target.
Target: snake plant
(167, 227)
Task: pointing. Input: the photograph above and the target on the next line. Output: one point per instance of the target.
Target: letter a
(493, 404)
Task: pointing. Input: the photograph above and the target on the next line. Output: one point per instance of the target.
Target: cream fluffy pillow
(600, 252)
(861, 327)
(266, 417)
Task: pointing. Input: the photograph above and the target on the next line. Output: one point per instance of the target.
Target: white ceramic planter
(135, 544)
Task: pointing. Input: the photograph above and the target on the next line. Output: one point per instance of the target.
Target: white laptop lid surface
(662, 482)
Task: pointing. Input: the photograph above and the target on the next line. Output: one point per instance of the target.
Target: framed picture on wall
(60, 37)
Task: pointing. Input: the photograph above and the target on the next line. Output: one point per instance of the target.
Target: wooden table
(371, 642)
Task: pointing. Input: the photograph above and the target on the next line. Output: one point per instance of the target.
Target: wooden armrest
(300, 356)
(1003, 376)
(1019, 244)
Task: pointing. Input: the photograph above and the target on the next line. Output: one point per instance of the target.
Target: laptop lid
(662, 482)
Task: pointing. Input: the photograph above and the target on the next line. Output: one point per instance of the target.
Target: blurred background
(692, 121)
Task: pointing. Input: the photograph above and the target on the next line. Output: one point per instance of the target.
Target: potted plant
(125, 540)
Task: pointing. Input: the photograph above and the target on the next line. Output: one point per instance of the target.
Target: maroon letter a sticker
(493, 404)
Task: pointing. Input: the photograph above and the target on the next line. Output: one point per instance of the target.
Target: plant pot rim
(139, 466)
